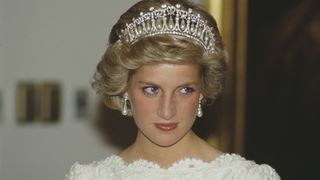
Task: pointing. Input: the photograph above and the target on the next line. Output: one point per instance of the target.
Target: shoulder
(235, 166)
(95, 170)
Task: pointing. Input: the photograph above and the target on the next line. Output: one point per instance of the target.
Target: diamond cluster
(170, 20)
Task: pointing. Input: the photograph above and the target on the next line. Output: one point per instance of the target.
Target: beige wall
(51, 40)
(1, 76)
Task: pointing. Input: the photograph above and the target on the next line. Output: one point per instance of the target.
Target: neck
(143, 148)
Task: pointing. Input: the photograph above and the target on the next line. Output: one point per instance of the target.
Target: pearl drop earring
(125, 106)
(199, 113)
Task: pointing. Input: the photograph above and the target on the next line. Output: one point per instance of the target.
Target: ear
(201, 97)
(125, 94)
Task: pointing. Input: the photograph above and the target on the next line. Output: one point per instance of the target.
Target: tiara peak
(170, 20)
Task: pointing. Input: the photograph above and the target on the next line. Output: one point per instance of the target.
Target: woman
(165, 59)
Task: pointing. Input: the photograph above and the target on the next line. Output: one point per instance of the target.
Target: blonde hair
(121, 59)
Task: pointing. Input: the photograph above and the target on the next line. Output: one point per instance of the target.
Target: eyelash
(152, 90)
(188, 90)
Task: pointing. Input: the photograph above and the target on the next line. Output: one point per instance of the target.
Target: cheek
(189, 107)
(141, 106)
(142, 111)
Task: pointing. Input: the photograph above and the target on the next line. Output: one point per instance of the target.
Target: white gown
(226, 167)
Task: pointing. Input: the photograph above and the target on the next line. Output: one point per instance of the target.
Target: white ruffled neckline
(225, 166)
(183, 164)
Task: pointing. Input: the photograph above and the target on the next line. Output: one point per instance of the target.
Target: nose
(167, 107)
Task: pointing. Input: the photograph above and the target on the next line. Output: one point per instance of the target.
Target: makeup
(166, 126)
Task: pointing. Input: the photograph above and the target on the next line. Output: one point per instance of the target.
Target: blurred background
(283, 86)
(50, 117)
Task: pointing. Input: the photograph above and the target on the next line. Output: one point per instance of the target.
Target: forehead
(165, 73)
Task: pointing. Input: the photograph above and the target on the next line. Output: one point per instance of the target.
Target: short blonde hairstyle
(121, 60)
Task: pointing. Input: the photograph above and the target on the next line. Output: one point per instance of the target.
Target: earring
(199, 113)
(125, 106)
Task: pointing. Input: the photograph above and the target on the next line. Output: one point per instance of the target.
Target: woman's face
(164, 100)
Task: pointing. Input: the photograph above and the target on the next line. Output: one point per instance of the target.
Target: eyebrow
(154, 84)
(145, 82)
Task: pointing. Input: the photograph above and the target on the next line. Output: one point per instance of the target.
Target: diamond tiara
(170, 20)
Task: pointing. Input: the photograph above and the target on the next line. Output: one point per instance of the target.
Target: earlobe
(200, 97)
(125, 95)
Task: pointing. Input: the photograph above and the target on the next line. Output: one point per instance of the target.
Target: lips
(166, 126)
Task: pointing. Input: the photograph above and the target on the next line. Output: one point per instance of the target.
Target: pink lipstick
(166, 126)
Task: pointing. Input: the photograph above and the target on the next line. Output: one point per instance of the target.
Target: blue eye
(151, 90)
(186, 90)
